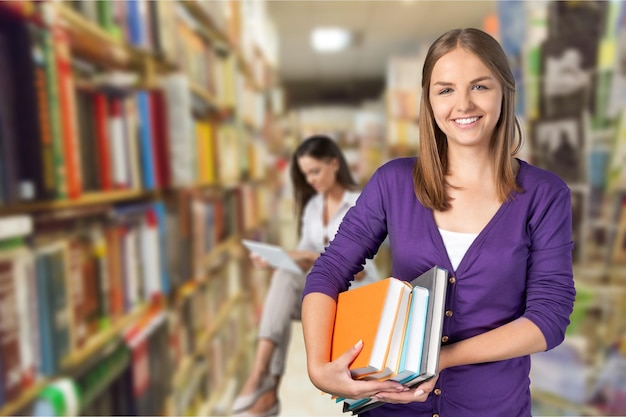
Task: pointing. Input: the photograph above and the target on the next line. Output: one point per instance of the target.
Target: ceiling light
(330, 39)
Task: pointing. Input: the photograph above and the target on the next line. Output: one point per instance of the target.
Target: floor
(298, 395)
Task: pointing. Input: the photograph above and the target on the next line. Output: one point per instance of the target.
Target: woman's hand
(415, 394)
(359, 276)
(334, 378)
(303, 258)
(258, 261)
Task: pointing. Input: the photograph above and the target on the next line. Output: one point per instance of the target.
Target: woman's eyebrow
(474, 81)
(479, 79)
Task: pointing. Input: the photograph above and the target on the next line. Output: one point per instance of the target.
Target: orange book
(367, 313)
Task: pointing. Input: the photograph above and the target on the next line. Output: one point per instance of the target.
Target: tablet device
(274, 255)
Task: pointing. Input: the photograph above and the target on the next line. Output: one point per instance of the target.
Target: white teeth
(466, 121)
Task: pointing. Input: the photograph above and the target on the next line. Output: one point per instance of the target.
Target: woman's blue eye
(479, 87)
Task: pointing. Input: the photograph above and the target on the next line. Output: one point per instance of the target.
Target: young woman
(324, 191)
(501, 227)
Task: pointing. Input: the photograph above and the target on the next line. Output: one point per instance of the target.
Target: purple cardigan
(520, 265)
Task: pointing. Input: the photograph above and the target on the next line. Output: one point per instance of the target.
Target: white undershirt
(456, 244)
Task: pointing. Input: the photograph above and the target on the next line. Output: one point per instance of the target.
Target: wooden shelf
(208, 27)
(13, 407)
(218, 323)
(96, 343)
(91, 42)
(87, 199)
(204, 95)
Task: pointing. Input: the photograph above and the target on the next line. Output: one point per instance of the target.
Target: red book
(102, 141)
(158, 120)
(10, 372)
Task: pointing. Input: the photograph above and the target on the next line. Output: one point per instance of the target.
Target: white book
(15, 226)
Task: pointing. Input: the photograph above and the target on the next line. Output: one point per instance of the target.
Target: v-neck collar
(485, 230)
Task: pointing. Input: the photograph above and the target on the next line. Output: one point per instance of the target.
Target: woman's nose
(464, 101)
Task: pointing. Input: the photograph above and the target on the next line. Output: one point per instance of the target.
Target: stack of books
(400, 324)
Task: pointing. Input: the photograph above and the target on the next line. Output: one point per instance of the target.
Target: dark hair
(322, 148)
(432, 164)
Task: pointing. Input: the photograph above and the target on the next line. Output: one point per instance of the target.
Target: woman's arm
(318, 312)
(518, 338)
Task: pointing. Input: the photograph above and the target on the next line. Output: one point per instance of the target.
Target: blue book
(46, 316)
(135, 20)
(413, 346)
(145, 141)
(159, 210)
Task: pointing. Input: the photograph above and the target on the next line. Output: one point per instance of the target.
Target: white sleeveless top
(456, 244)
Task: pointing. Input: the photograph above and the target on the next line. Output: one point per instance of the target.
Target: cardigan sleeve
(550, 288)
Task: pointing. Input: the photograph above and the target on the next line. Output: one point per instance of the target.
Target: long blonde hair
(431, 166)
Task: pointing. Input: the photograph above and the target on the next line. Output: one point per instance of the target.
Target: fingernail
(418, 393)
(358, 344)
(402, 388)
(377, 398)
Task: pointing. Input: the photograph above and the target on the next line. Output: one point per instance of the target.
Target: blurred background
(141, 140)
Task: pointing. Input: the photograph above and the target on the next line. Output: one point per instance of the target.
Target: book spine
(68, 112)
(45, 316)
(26, 293)
(145, 140)
(161, 220)
(9, 170)
(38, 132)
(135, 23)
(99, 242)
(87, 138)
(76, 294)
(102, 141)
(129, 115)
(119, 155)
(150, 254)
(11, 377)
(158, 119)
(52, 89)
(115, 274)
(60, 304)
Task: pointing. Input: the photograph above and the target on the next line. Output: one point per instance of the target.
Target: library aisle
(297, 394)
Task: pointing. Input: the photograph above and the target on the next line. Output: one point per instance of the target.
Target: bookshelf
(146, 240)
(594, 343)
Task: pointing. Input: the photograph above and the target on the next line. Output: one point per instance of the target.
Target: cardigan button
(437, 391)
(449, 313)
(444, 339)
(452, 280)
(435, 415)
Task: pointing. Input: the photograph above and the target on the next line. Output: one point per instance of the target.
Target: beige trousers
(282, 305)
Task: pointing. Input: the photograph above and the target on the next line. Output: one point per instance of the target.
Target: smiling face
(321, 174)
(466, 98)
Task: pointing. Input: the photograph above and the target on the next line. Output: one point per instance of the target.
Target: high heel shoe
(271, 412)
(243, 402)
